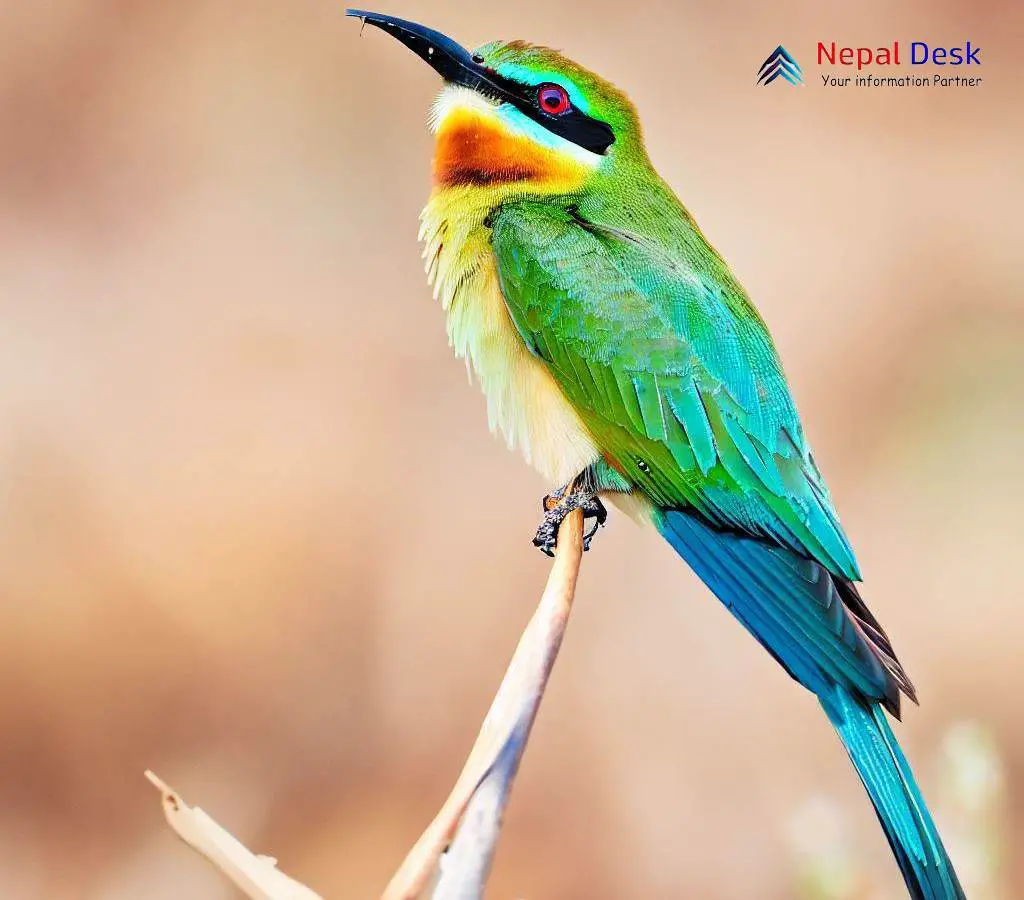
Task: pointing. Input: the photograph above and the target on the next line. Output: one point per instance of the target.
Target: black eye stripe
(583, 130)
(591, 134)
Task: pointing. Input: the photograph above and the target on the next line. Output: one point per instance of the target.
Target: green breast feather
(673, 372)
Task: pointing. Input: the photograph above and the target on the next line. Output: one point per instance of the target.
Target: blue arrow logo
(780, 64)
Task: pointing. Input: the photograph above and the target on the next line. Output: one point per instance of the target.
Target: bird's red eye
(553, 99)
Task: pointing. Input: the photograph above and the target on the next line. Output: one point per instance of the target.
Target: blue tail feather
(796, 610)
(886, 775)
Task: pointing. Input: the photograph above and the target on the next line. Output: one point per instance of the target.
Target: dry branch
(469, 822)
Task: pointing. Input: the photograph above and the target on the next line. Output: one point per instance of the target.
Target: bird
(619, 353)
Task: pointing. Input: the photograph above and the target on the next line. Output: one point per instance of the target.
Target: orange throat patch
(476, 149)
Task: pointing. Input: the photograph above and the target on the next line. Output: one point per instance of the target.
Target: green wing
(672, 370)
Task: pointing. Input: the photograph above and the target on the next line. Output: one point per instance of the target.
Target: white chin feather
(453, 97)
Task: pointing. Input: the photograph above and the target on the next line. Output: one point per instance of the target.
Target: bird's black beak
(450, 60)
(456, 65)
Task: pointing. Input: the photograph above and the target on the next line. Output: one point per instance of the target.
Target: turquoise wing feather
(676, 377)
(673, 371)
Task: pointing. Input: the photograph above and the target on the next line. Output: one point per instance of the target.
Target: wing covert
(674, 373)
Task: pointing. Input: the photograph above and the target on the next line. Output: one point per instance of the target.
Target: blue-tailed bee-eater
(619, 352)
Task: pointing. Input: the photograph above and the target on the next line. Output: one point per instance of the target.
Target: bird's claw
(557, 506)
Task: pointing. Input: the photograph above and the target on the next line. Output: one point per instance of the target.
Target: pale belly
(524, 403)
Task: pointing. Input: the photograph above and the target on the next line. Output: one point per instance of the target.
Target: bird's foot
(558, 505)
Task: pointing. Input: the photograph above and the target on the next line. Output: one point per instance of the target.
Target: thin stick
(483, 786)
(470, 819)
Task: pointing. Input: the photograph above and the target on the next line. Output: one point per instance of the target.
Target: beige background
(255, 534)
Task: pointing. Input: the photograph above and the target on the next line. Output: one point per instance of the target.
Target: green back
(666, 360)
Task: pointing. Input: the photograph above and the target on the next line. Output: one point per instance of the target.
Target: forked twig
(469, 822)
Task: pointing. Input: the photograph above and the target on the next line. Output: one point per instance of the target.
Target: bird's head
(518, 119)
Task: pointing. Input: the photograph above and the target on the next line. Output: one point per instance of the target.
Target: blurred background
(255, 535)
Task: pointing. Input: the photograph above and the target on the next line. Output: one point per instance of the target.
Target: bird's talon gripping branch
(599, 521)
(557, 505)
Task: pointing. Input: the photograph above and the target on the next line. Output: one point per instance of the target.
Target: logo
(874, 65)
(780, 64)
